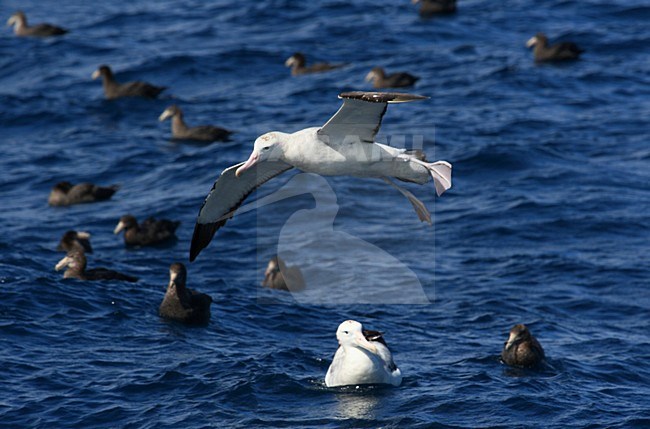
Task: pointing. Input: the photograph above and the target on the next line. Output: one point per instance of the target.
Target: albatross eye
(266, 148)
(345, 332)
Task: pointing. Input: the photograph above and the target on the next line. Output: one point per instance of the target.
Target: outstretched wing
(225, 197)
(360, 116)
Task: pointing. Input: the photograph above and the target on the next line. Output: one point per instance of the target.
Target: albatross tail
(441, 173)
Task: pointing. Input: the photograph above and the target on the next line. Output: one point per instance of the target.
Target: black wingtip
(202, 236)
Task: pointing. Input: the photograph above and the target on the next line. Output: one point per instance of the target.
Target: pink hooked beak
(252, 160)
(363, 343)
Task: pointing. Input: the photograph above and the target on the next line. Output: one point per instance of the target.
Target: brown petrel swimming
(183, 304)
(19, 21)
(522, 349)
(435, 7)
(298, 64)
(149, 233)
(180, 130)
(114, 89)
(66, 194)
(279, 276)
(75, 264)
(380, 79)
(558, 52)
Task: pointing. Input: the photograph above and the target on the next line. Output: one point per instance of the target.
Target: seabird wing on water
(384, 352)
(225, 197)
(374, 336)
(360, 115)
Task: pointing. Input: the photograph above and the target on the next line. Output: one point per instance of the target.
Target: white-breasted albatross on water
(362, 358)
(344, 146)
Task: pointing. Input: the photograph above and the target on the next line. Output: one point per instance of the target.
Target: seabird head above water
(72, 238)
(183, 304)
(19, 21)
(181, 131)
(558, 52)
(328, 151)
(362, 358)
(113, 89)
(278, 276)
(522, 349)
(435, 7)
(298, 64)
(296, 60)
(379, 79)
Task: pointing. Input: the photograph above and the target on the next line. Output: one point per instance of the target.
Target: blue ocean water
(547, 222)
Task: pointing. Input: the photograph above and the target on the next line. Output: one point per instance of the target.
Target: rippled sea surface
(546, 224)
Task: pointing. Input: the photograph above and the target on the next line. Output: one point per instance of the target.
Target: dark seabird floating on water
(559, 52)
(394, 80)
(279, 276)
(114, 89)
(298, 64)
(73, 238)
(522, 349)
(19, 21)
(183, 304)
(436, 7)
(75, 264)
(66, 194)
(149, 233)
(180, 130)
(362, 358)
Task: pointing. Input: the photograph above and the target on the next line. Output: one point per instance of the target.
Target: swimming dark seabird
(75, 264)
(522, 349)
(429, 8)
(114, 89)
(180, 130)
(380, 79)
(66, 194)
(298, 64)
(362, 358)
(19, 21)
(327, 151)
(149, 233)
(279, 276)
(559, 52)
(183, 304)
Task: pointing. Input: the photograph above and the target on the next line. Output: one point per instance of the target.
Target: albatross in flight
(344, 146)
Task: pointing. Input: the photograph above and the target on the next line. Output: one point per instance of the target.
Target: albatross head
(266, 148)
(350, 334)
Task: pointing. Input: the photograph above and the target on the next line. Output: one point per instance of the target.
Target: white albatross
(344, 146)
(362, 358)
